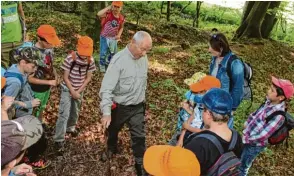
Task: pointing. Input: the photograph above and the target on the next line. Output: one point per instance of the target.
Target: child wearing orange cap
(78, 70)
(44, 77)
(194, 123)
(112, 23)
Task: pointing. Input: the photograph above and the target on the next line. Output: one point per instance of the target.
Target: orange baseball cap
(205, 84)
(85, 46)
(3, 82)
(165, 160)
(48, 32)
(117, 3)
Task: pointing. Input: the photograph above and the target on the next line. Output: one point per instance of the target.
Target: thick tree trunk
(251, 26)
(90, 25)
(168, 11)
(196, 19)
(270, 19)
(246, 10)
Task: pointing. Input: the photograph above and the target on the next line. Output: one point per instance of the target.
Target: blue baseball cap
(218, 101)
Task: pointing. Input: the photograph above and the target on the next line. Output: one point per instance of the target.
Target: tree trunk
(168, 10)
(251, 26)
(270, 19)
(196, 19)
(246, 10)
(90, 25)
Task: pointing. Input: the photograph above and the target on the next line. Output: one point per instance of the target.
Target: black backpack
(228, 163)
(282, 134)
(248, 73)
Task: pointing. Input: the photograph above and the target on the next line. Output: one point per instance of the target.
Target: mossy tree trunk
(251, 27)
(90, 24)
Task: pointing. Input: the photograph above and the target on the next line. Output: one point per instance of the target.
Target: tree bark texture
(251, 27)
(168, 10)
(246, 10)
(197, 15)
(270, 19)
(90, 25)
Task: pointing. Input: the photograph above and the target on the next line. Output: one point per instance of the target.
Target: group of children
(202, 156)
(29, 80)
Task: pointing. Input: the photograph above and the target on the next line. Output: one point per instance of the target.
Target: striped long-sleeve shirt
(257, 130)
(79, 72)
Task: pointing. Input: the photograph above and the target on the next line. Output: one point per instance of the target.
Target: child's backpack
(14, 75)
(248, 73)
(74, 56)
(14, 53)
(228, 163)
(282, 133)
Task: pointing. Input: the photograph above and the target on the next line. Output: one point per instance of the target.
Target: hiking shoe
(40, 164)
(59, 147)
(74, 133)
(107, 155)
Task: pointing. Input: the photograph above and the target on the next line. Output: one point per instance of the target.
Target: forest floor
(169, 65)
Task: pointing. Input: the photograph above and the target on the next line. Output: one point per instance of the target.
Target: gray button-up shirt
(124, 82)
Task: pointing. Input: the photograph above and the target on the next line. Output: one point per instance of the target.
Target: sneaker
(74, 133)
(40, 164)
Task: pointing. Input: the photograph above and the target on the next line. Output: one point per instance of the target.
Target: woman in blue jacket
(221, 54)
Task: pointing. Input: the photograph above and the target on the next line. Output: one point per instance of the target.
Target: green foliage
(66, 25)
(160, 50)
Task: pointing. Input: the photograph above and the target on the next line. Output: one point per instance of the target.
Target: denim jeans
(250, 152)
(108, 47)
(68, 114)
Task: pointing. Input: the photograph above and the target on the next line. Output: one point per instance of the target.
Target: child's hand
(6, 102)
(186, 106)
(75, 95)
(180, 143)
(35, 102)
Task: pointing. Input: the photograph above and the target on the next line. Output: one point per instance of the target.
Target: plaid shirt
(257, 131)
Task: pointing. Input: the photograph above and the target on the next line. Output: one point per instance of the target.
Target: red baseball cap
(285, 85)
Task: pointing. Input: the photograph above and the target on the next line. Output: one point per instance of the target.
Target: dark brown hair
(219, 43)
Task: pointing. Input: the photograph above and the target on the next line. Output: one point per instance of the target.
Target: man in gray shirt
(124, 84)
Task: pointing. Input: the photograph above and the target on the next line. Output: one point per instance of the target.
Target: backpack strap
(14, 75)
(229, 69)
(214, 140)
(234, 140)
(74, 57)
(274, 114)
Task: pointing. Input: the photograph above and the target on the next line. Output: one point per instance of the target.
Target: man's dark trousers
(133, 115)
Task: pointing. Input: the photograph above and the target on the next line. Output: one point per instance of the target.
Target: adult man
(112, 23)
(12, 36)
(217, 107)
(125, 84)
